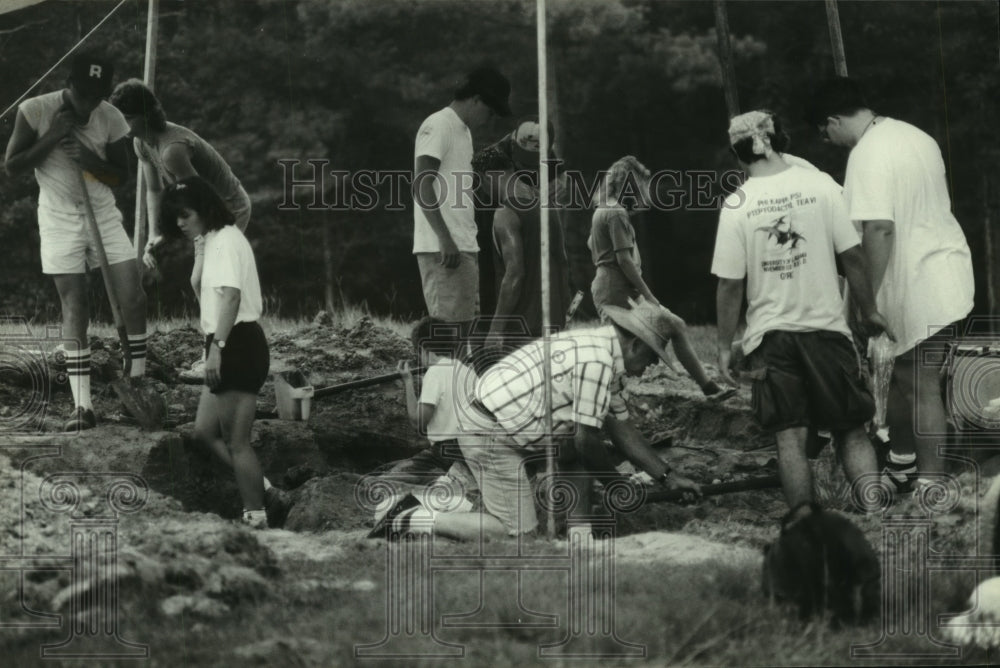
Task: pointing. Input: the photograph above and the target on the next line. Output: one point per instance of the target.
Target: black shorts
(245, 359)
(808, 379)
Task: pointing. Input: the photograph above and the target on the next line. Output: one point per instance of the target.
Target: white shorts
(66, 244)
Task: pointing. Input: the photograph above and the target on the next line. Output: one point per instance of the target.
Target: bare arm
(637, 450)
(728, 300)
(856, 268)
(507, 231)
(426, 199)
(877, 242)
(420, 414)
(229, 306)
(624, 257)
(26, 150)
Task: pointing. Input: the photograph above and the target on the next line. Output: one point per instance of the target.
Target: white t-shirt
(896, 172)
(444, 136)
(56, 175)
(229, 263)
(782, 232)
(448, 386)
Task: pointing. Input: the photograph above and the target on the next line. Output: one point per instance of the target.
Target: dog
(822, 562)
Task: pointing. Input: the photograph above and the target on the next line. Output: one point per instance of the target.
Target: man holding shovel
(57, 134)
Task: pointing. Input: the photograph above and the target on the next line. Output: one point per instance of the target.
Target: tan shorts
(66, 244)
(451, 295)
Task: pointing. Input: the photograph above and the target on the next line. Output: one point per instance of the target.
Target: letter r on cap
(95, 71)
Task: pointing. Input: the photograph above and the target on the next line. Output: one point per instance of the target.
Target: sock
(137, 348)
(403, 523)
(901, 467)
(78, 372)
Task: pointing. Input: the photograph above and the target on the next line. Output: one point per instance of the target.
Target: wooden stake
(836, 38)
(726, 58)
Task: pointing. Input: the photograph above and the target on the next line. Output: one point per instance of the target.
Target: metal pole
(836, 38)
(148, 76)
(726, 58)
(543, 178)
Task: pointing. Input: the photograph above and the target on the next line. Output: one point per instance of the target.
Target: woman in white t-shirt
(236, 351)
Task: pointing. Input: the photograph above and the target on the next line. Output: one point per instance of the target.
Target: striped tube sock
(902, 468)
(78, 372)
(403, 523)
(137, 348)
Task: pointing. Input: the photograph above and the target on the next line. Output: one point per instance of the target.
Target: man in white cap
(921, 265)
(782, 233)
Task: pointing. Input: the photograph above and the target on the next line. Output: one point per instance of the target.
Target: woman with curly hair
(618, 281)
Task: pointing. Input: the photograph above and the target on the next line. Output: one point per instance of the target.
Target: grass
(711, 614)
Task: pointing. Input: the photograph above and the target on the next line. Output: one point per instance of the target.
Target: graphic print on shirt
(784, 246)
(782, 232)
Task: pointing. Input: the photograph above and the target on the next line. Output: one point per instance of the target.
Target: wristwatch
(219, 342)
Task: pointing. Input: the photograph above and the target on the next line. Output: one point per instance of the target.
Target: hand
(147, 257)
(450, 255)
(691, 489)
(213, 366)
(63, 123)
(726, 368)
(404, 371)
(874, 324)
(72, 148)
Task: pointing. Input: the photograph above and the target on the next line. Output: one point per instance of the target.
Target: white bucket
(292, 396)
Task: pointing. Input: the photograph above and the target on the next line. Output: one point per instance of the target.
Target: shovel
(142, 401)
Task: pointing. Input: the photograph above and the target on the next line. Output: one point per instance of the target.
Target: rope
(61, 60)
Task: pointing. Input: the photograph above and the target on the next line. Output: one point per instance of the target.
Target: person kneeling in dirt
(236, 352)
(588, 367)
(781, 232)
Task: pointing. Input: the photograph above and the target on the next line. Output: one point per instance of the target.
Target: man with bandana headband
(782, 233)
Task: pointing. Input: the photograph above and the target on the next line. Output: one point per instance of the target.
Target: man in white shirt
(444, 226)
(782, 232)
(56, 135)
(921, 265)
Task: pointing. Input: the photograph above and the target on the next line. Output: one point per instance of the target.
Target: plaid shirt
(587, 374)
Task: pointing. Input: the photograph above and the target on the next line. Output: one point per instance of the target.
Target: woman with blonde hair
(623, 193)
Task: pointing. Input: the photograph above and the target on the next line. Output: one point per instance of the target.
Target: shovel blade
(144, 403)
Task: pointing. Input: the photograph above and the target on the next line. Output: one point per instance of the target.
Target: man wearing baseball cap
(444, 227)
(782, 233)
(57, 134)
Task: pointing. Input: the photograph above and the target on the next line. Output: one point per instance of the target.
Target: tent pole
(148, 76)
(543, 124)
(726, 58)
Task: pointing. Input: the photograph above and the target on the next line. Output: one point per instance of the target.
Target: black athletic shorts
(245, 359)
(808, 378)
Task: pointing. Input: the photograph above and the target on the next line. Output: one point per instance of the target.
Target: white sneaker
(255, 519)
(196, 372)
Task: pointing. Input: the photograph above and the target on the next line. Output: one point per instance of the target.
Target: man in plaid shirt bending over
(588, 367)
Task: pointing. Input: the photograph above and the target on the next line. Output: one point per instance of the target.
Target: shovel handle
(95, 232)
(364, 382)
(763, 482)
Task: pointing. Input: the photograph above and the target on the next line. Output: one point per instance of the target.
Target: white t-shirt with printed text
(444, 136)
(229, 263)
(56, 174)
(896, 172)
(782, 233)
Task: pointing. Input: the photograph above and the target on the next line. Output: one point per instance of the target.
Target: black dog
(822, 562)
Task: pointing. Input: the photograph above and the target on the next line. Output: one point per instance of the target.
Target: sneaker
(196, 372)
(277, 503)
(81, 418)
(381, 527)
(902, 476)
(716, 393)
(255, 519)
